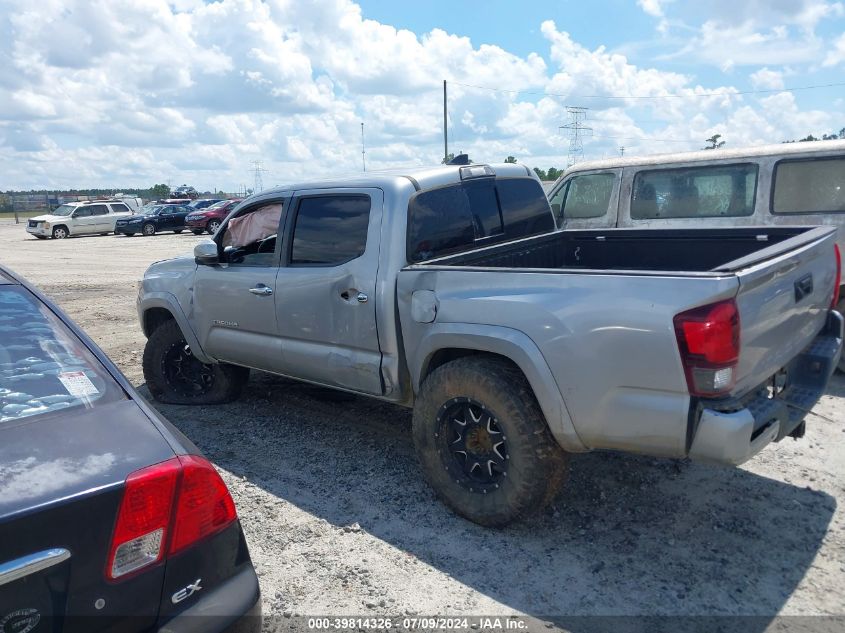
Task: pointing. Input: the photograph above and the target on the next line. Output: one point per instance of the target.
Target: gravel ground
(340, 522)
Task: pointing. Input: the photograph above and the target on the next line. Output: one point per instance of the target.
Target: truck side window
(250, 238)
(83, 212)
(119, 208)
(99, 209)
(330, 230)
(588, 196)
(809, 186)
(695, 192)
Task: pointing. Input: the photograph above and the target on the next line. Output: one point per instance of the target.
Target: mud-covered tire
(216, 384)
(535, 466)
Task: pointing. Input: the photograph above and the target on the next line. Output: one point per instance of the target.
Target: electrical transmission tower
(257, 169)
(577, 130)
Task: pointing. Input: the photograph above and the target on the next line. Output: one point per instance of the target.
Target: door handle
(261, 290)
(362, 297)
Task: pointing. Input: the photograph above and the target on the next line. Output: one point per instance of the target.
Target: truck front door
(234, 301)
(326, 288)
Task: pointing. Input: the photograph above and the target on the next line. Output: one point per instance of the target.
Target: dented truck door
(326, 288)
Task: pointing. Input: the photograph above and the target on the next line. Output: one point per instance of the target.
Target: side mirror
(205, 254)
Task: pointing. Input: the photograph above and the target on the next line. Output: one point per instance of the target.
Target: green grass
(9, 215)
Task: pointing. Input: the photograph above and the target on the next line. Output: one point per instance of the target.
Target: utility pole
(621, 150)
(258, 168)
(363, 162)
(445, 126)
(576, 129)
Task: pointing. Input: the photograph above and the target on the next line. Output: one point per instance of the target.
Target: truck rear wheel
(483, 443)
(175, 376)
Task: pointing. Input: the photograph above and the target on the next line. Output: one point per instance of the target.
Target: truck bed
(656, 250)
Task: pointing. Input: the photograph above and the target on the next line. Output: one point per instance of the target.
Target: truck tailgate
(783, 303)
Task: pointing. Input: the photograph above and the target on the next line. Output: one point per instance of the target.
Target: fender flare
(511, 344)
(168, 302)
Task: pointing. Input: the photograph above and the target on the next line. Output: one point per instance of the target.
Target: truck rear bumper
(733, 431)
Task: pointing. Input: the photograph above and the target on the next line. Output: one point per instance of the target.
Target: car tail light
(143, 520)
(708, 339)
(838, 279)
(165, 509)
(204, 506)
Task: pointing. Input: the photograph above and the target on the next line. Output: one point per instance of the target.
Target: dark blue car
(162, 217)
(110, 519)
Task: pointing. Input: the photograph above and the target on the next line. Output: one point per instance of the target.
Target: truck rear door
(326, 288)
(783, 302)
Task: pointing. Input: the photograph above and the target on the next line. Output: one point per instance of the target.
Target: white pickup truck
(78, 218)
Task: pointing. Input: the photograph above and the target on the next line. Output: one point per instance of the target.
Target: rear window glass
(43, 366)
(119, 208)
(809, 186)
(695, 192)
(453, 218)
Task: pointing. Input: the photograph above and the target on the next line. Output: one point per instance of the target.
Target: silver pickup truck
(449, 290)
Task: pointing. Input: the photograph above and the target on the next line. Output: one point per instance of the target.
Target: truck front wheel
(175, 376)
(483, 443)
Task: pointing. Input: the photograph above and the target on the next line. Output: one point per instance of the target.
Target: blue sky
(135, 92)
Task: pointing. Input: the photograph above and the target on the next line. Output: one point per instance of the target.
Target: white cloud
(132, 92)
(765, 79)
(836, 56)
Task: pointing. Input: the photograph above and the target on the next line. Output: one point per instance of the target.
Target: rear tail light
(166, 508)
(204, 506)
(838, 279)
(708, 339)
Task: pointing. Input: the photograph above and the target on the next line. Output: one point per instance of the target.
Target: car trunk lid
(61, 482)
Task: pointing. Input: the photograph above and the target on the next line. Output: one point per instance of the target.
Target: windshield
(65, 209)
(152, 211)
(43, 366)
(217, 205)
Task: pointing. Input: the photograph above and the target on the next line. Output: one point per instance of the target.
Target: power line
(664, 96)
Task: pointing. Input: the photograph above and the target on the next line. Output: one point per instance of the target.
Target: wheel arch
(61, 226)
(160, 307)
(449, 341)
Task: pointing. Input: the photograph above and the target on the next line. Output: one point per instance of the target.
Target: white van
(788, 184)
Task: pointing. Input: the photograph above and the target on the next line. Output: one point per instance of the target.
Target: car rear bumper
(233, 607)
(733, 431)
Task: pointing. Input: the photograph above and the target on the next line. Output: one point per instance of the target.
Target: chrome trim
(31, 563)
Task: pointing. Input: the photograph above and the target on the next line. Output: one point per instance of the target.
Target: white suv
(78, 218)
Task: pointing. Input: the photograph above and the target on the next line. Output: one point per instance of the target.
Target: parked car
(78, 218)
(777, 185)
(110, 519)
(211, 218)
(185, 191)
(203, 203)
(165, 217)
(449, 290)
